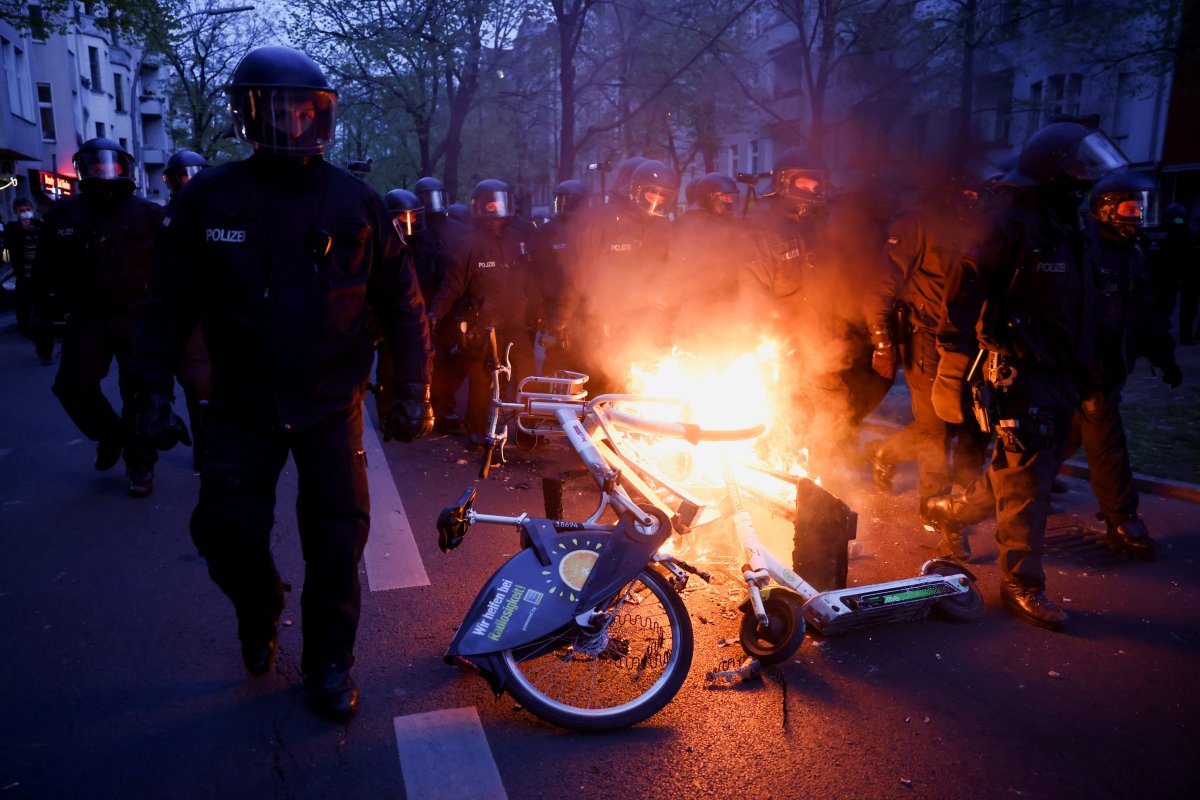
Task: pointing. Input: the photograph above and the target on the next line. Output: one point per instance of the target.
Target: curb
(1149, 484)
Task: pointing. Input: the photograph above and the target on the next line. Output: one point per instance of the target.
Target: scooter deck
(856, 607)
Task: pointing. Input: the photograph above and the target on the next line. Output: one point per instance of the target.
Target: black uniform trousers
(479, 376)
(925, 437)
(232, 523)
(1017, 484)
(89, 346)
(1099, 427)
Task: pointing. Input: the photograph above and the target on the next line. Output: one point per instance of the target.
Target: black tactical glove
(158, 423)
(1172, 376)
(949, 387)
(411, 416)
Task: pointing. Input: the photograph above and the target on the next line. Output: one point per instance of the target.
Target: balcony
(151, 105)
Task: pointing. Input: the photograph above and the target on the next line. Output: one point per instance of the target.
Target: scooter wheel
(966, 607)
(782, 636)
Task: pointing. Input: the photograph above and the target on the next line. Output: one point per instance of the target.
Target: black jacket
(1047, 319)
(1127, 325)
(490, 270)
(283, 263)
(95, 254)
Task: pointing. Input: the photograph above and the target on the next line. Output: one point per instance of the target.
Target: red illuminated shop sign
(55, 186)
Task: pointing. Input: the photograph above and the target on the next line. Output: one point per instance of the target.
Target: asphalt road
(121, 675)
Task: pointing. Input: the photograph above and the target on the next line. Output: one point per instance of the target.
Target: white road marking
(392, 558)
(445, 754)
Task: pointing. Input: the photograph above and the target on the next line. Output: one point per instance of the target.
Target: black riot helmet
(102, 162)
(716, 193)
(653, 187)
(408, 213)
(1124, 202)
(460, 212)
(491, 199)
(1066, 155)
(1175, 214)
(799, 179)
(181, 167)
(281, 102)
(620, 187)
(569, 197)
(433, 195)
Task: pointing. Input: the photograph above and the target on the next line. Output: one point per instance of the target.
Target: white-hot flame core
(726, 391)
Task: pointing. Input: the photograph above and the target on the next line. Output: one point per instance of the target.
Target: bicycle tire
(558, 678)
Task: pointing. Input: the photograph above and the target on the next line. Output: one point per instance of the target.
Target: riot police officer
(96, 255)
(709, 249)
(445, 232)
(555, 257)
(285, 257)
(1121, 204)
(1027, 292)
(922, 248)
(490, 273)
(195, 370)
(817, 302)
(622, 248)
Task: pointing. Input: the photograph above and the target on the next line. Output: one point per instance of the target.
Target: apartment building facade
(63, 88)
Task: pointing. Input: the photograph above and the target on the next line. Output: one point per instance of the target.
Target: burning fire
(737, 390)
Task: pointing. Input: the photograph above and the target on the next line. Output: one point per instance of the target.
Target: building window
(119, 91)
(16, 67)
(100, 129)
(734, 166)
(1061, 98)
(754, 156)
(37, 23)
(46, 111)
(124, 143)
(94, 66)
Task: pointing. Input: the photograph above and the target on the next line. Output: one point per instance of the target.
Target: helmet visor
(178, 177)
(492, 204)
(409, 223)
(566, 203)
(296, 122)
(656, 201)
(105, 165)
(1138, 209)
(1095, 156)
(802, 186)
(435, 200)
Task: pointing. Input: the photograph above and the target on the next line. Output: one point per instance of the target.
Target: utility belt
(990, 378)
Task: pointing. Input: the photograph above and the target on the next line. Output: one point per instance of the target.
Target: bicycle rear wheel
(610, 679)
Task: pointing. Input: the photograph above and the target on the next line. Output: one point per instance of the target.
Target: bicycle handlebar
(687, 431)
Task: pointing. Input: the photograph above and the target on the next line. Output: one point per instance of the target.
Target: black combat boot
(954, 544)
(331, 691)
(944, 513)
(141, 481)
(1031, 604)
(882, 469)
(1127, 534)
(258, 630)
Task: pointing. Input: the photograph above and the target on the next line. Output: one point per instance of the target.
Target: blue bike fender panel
(526, 600)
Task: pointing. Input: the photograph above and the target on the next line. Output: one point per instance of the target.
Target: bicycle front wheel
(612, 678)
